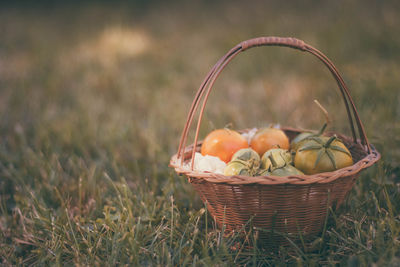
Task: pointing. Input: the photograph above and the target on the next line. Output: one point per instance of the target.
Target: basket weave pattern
(293, 204)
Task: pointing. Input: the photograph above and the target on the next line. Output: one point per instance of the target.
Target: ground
(93, 99)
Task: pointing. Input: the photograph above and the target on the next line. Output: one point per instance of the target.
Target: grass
(93, 98)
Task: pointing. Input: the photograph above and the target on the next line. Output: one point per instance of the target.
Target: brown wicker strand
(342, 84)
(198, 96)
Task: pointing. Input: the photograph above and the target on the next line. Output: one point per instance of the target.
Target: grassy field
(93, 99)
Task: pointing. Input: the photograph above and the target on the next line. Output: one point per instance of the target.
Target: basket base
(280, 214)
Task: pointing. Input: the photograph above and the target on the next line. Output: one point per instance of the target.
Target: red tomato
(223, 143)
(268, 138)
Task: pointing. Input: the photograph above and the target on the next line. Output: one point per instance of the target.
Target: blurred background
(74, 76)
(94, 87)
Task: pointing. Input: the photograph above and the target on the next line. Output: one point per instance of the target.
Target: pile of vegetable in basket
(268, 152)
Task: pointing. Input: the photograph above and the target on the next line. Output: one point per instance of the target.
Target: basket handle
(208, 82)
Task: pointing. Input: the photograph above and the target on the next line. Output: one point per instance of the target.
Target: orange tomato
(268, 138)
(223, 143)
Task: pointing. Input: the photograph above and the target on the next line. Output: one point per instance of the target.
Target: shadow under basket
(279, 208)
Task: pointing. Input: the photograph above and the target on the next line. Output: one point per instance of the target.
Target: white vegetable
(208, 163)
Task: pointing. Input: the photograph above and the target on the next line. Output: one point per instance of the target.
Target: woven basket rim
(320, 178)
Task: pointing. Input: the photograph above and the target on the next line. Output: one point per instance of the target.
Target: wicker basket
(294, 205)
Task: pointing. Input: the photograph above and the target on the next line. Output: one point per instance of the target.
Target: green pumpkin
(322, 154)
(275, 158)
(286, 171)
(237, 168)
(247, 154)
